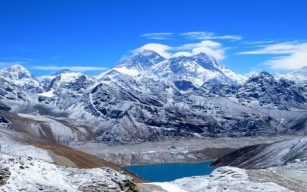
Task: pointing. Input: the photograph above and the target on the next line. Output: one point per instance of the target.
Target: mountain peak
(202, 59)
(262, 77)
(202, 55)
(17, 72)
(265, 74)
(298, 76)
(146, 52)
(63, 71)
(139, 62)
(19, 75)
(146, 55)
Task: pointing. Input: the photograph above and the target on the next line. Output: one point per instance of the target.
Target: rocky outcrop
(266, 155)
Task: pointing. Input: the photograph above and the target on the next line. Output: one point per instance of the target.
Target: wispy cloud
(201, 35)
(9, 63)
(72, 68)
(157, 36)
(262, 42)
(163, 50)
(209, 47)
(286, 55)
(195, 35)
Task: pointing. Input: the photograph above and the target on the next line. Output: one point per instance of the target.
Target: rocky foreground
(232, 179)
(28, 174)
(29, 164)
(25, 167)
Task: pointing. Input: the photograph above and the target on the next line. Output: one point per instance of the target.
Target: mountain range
(147, 97)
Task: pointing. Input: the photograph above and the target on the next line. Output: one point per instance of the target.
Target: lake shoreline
(178, 151)
(164, 172)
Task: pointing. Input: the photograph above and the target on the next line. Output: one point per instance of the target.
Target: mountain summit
(20, 76)
(197, 69)
(16, 72)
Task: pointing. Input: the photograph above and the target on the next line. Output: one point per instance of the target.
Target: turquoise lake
(170, 171)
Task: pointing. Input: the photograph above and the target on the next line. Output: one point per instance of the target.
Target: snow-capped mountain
(12, 92)
(135, 65)
(196, 69)
(299, 76)
(265, 89)
(19, 75)
(65, 78)
(148, 97)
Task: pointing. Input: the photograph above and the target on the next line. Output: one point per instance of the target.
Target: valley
(181, 150)
(197, 110)
(153, 96)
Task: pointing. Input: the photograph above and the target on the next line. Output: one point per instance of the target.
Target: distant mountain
(299, 76)
(135, 65)
(148, 97)
(12, 92)
(19, 75)
(266, 90)
(196, 69)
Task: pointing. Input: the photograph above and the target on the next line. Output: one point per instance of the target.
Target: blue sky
(90, 36)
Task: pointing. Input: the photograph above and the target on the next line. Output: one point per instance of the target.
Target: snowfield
(60, 132)
(10, 146)
(28, 174)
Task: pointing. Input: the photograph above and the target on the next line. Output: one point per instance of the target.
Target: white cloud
(9, 63)
(163, 50)
(200, 35)
(182, 53)
(262, 42)
(209, 47)
(252, 73)
(157, 36)
(289, 55)
(72, 68)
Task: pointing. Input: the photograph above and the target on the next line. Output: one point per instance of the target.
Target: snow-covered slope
(267, 90)
(29, 174)
(266, 155)
(197, 69)
(30, 163)
(11, 144)
(299, 76)
(135, 65)
(9, 91)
